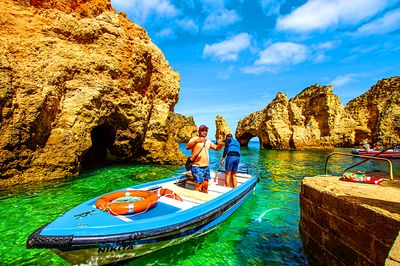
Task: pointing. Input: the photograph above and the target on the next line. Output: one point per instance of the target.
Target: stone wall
(345, 223)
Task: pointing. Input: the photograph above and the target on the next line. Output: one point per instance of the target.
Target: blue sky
(235, 56)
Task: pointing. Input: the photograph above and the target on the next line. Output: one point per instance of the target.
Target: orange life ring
(105, 203)
(168, 193)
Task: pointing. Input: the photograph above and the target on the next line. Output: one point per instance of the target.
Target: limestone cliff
(313, 119)
(377, 113)
(182, 128)
(222, 128)
(80, 85)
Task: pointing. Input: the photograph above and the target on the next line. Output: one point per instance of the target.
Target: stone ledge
(357, 223)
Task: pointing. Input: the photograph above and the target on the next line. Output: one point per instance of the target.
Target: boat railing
(367, 158)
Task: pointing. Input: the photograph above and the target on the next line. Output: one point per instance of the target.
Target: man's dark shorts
(200, 173)
(232, 163)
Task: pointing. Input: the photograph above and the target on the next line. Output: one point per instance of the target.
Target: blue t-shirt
(232, 147)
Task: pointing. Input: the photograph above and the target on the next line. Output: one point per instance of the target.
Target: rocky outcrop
(222, 128)
(80, 85)
(377, 113)
(181, 127)
(313, 119)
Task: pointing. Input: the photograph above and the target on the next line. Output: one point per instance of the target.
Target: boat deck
(186, 189)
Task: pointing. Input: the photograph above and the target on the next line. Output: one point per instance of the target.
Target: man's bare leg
(234, 180)
(228, 179)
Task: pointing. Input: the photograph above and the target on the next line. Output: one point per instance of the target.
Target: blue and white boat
(88, 235)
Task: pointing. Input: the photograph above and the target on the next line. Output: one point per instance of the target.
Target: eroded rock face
(80, 85)
(313, 119)
(222, 128)
(377, 113)
(183, 128)
(249, 127)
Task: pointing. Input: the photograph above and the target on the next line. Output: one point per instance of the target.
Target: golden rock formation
(183, 128)
(314, 119)
(377, 113)
(80, 85)
(222, 128)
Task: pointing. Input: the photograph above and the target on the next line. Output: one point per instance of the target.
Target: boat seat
(189, 193)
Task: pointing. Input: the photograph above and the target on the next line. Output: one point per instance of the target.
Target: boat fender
(105, 203)
(167, 193)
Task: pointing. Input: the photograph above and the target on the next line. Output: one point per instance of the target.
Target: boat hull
(97, 249)
(100, 254)
(380, 154)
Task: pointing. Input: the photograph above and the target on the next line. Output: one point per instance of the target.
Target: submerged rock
(80, 86)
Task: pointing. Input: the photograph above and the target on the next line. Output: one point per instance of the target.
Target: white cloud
(272, 7)
(320, 58)
(188, 25)
(226, 73)
(280, 56)
(343, 79)
(323, 14)
(139, 10)
(388, 23)
(319, 50)
(327, 45)
(283, 53)
(211, 5)
(166, 33)
(219, 19)
(229, 49)
(255, 69)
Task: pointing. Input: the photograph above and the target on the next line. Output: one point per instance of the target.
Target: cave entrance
(103, 137)
(254, 143)
(245, 138)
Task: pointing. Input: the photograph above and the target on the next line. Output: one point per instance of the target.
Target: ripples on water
(264, 231)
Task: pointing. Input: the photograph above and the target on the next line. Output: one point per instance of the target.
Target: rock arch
(313, 119)
(245, 138)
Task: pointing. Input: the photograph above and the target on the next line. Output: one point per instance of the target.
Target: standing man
(232, 154)
(395, 147)
(200, 146)
(366, 145)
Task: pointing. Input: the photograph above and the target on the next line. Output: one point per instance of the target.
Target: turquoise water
(264, 231)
